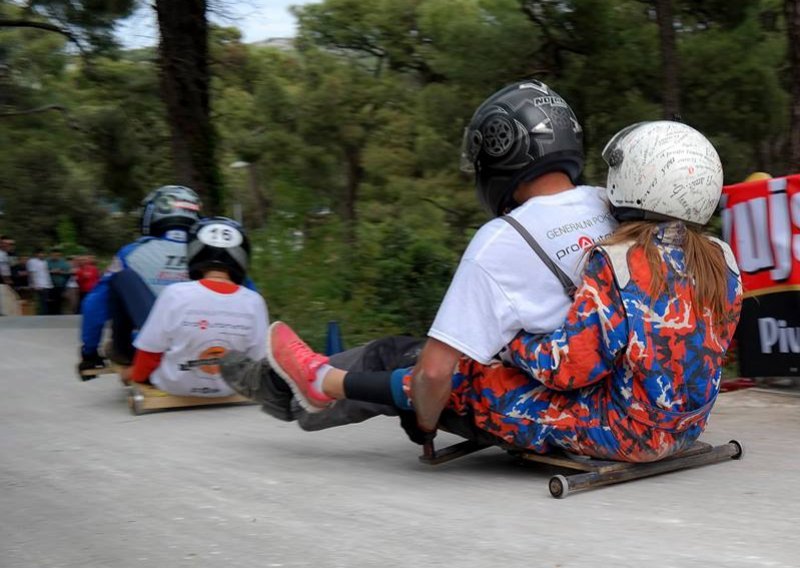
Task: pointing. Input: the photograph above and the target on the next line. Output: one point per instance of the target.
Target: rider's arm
(586, 348)
(431, 382)
(144, 363)
(95, 308)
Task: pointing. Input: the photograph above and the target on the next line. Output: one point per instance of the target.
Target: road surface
(83, 483)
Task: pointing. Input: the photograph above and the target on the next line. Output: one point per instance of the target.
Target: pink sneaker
(297, 364)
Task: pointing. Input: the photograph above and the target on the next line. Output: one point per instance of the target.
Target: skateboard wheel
(740, 450)
(559, 486)
(134, 402)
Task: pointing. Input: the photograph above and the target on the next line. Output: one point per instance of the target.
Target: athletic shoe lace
(306, 357)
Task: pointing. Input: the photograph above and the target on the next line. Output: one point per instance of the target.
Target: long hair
(705, 264)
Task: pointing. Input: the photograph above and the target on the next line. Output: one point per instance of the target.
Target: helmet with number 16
(218, 242)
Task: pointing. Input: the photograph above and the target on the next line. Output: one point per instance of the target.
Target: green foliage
(67, 235)
(353, 138)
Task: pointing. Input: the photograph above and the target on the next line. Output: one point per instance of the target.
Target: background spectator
(19, 279)
(39, 279)
(60, 272)
(5, 260)
(71, 288)
(87, 276)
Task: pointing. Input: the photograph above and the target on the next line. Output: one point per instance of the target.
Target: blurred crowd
(49, 281)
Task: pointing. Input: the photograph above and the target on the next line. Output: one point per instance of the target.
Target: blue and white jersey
(159, 261)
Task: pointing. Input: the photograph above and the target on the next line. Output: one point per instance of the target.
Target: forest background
(341, 148)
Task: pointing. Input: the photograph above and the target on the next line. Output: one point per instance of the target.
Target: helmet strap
(623, 214)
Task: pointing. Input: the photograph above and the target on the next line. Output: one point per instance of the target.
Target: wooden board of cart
(143, 398)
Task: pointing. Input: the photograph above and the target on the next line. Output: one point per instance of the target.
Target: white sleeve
(476, 317)
(155, 335)
(258, 347)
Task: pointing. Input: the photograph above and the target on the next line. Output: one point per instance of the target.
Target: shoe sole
(301, 398)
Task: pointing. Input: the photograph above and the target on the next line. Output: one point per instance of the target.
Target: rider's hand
(408, 421)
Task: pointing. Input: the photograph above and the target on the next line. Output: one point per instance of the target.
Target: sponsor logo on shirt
(204, 324)
(205, 390)
(583, 243)
(583, 224)
(207, 362)
(175, 262)
(165, 278)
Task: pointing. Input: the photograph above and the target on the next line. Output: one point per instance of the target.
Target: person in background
(5, 260)
(5, 267)
(60, 272)
(71, 289)
(19, 275)
(39, 279)
(87, 275)
(19, 281)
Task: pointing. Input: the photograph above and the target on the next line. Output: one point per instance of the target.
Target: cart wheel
(740, 450)
(134, 403)
(559, 486)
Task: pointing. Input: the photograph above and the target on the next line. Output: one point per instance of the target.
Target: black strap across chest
(566, 281)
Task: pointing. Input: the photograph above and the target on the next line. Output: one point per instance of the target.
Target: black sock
(373, 386)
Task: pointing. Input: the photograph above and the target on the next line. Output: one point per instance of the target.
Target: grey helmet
(167, 208)
(519, 133)
(218, 242)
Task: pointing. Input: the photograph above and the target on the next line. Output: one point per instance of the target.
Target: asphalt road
(83, 483)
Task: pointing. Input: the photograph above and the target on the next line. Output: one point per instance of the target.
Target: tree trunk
(184, 79)
(669, 59)
(792, 8)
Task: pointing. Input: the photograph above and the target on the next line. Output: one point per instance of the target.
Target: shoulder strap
(730, 258)
(617, 255)
(566, 281)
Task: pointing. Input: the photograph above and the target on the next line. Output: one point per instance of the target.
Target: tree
(669, 58)
(185, 90)
(792, 11)
(87, 24)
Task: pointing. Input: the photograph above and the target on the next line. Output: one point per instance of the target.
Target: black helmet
(218, 242)
(169, 207)
(521, 132)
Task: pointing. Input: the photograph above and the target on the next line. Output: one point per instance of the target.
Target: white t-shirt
(5, 264)
(502, 286)
(38, 274)
(194, 327)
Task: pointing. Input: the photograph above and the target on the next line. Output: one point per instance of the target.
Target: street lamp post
(237, 204)
(260, 204)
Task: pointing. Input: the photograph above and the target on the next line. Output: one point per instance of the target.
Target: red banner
(761, 222)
